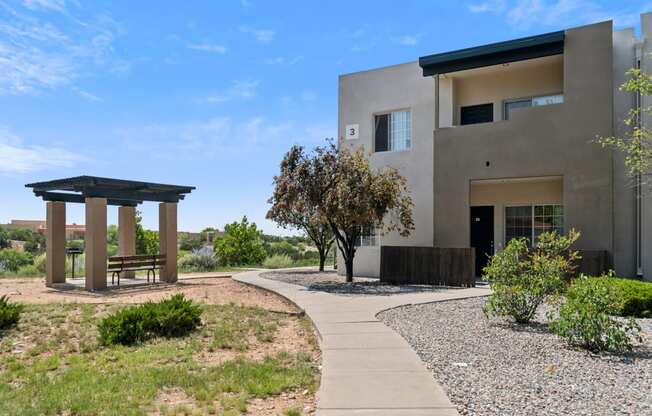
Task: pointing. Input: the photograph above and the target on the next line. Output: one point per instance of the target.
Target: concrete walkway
(367, 368)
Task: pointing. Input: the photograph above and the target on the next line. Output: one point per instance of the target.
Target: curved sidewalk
(367, 368)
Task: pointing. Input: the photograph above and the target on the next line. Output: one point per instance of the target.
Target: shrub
(522, 278)
(12, 260)
(634, 296)
(9, 312)
(242, 244)
(278, 261)
(284, 248)
(172, 317)
(585, 321)
(202, 260)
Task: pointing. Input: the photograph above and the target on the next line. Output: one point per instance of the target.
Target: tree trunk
(349, 269)
(322, 260)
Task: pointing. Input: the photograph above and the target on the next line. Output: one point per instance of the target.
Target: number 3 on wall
(352, 131)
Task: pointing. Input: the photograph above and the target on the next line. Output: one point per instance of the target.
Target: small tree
(636, 144)
(359, 198)
(147, 241)
(299, 192)
(523, 277)
(242, 244)
(4, 239)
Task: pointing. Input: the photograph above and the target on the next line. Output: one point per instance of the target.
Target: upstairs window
(475, 114)
(393, 131)
(532, 102)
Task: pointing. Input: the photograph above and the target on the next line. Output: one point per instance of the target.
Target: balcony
(500, 93)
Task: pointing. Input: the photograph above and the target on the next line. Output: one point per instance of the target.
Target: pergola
(96, 193)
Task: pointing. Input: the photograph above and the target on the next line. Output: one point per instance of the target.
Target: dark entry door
(482, 236)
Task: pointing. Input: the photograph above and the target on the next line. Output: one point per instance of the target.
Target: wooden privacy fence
(427, 265)
(593, 262)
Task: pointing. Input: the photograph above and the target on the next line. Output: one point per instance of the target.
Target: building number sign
(352, 132)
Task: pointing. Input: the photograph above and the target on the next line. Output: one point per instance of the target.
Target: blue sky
(212, 93)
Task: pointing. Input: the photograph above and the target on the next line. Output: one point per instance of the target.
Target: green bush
(12, 260)
(278, 261)
(202, 260)
(522, 277)
(172, 317)
(634, 296)
(242, 244)
(585, 318)
(9, 312)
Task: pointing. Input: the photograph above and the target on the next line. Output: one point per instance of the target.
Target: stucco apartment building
(497, 141)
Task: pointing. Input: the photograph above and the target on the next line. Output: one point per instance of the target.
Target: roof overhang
(494, 54)
(117, 191)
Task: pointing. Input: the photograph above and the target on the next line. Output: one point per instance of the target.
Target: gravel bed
(331, 282)
(492, 367)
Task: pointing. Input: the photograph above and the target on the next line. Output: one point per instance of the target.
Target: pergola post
(55, 235)
(95, 241)
(127, 234)
(167, 234)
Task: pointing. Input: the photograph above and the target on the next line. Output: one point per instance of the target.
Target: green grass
(64, 370)
(235, 328)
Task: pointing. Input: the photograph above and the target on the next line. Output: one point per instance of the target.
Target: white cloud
(87, 95)
(51, 48)
(280, 60)
(217, 136)
(523, 14)
(261, 35)
(18, 157)
(244, 90)
(57, 5)
(207, 47)
(407, 40)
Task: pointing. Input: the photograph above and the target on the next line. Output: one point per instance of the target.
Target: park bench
(149, 262)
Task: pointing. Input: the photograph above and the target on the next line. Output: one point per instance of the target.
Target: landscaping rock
(522, 369)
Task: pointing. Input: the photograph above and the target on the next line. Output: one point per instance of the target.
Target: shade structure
(116, 191)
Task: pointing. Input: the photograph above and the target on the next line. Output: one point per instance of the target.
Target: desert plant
(522, 277)
(278, 261)
(634, 296)
(9, 312)
(12, 260)
(172, 317)
(586, 320)
(201, 260)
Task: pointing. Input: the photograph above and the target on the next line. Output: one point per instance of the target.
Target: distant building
(73, 231)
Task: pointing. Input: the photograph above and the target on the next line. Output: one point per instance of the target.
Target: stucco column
(127, 234)
(95, 241)
(167, 234)
(55, 234)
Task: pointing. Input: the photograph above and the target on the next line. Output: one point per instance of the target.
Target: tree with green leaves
(4, 239)
(636, 144)
(242, 244)
(299, 192)
(360, 198)
(147, 241)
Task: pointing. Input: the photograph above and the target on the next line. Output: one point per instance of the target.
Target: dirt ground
(217, 291)
(291, 337)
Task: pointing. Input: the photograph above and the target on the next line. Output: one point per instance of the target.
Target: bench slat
(131, 269)
(138, 257)
(136, 264)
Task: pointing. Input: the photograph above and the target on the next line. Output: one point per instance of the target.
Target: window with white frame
(393, 131)
(511, 105)
(530, 221)
(367, 237)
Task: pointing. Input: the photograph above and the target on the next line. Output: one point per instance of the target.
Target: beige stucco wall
(361, 96)
(543, 76)
(514, 192)
(551, 140)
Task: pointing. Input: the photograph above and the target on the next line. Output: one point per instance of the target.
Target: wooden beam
(79, 199)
